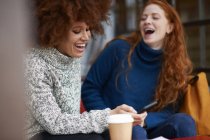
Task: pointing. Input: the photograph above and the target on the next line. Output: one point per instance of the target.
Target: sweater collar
(57, 59)
(148, 54)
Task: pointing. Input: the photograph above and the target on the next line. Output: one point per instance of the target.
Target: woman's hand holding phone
(140, 119)
(143, 114)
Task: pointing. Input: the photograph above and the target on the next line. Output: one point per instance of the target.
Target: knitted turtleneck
(57, 59)
(114, 83)
(54, 94)
(147, 54)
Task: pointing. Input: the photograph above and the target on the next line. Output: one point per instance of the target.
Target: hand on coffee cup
(123, 109)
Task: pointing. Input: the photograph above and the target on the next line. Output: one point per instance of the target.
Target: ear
(170, 28)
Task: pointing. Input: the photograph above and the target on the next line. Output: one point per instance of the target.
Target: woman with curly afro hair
(151, 64)
(64, 28)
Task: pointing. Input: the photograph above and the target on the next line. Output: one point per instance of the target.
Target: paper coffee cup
(120, 126)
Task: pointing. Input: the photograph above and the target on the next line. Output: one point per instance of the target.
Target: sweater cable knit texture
(54, 92)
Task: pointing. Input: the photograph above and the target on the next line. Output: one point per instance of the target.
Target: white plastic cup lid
(120, 118)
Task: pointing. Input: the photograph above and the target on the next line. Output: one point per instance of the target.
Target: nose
(85, 36)
(147, 20)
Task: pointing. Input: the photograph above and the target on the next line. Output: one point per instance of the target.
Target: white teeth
(80, 45)
(148, 29)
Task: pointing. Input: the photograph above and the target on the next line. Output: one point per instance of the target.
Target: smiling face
(154, 26)
(76, 42)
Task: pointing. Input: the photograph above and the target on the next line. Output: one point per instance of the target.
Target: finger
(137, 117)
(143, 118)
(142, 124)
(143, 115)
(136, 123)
(127, 108)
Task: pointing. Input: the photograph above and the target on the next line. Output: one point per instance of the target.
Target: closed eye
(156, 18)
(76, 31)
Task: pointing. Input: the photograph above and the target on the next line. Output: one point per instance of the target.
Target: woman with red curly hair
(150, 64)
(53, 71)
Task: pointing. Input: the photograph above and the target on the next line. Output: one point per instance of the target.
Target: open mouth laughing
(148, 31)
(81, 47)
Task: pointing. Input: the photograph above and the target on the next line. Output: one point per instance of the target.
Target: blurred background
(195, 16)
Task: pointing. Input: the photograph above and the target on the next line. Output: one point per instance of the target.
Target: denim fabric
(178, 125)
(139, 133)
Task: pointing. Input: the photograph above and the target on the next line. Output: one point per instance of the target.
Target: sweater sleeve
(153, 119)
(97, 77)
(44, 108)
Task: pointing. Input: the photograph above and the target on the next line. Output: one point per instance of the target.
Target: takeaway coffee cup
(120, 126)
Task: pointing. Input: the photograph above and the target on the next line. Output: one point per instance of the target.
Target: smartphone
(148, 107)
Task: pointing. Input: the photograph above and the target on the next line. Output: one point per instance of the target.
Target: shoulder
(119, 44)
(114, 51)
(34, 63)
(117, 47)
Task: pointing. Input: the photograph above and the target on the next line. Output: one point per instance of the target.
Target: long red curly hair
(176, 66)
(55, 17)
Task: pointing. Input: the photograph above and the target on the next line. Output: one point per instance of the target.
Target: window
(195, 15)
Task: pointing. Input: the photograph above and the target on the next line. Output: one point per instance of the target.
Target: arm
(97, 77)
(44, 108)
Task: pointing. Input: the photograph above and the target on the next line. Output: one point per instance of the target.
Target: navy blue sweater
(110, 82)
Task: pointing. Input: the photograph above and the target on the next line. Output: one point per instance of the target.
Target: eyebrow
(156, 14)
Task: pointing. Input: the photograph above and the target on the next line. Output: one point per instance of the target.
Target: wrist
(112, 112)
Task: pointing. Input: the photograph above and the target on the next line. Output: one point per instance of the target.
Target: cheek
(70, 41)
(162, 33)
(162, 28)
(73, 39)
(89, 37)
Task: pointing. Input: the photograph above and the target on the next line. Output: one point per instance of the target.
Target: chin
(78, 55)
(147, 41)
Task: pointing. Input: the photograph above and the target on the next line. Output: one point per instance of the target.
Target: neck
(156, 47)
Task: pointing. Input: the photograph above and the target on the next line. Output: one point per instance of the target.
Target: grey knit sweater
(53, 89)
